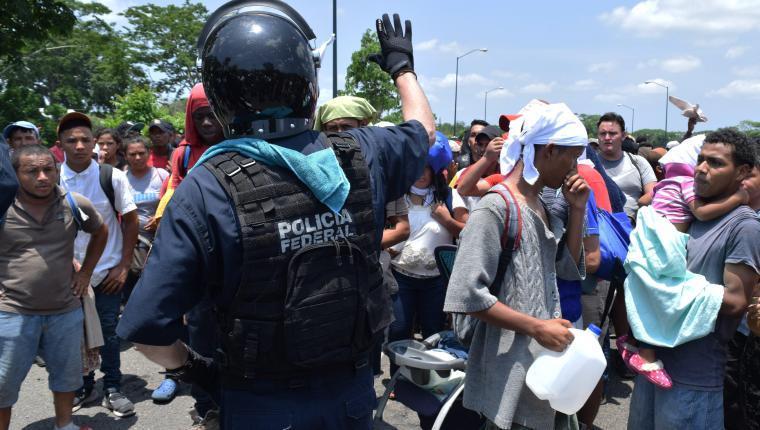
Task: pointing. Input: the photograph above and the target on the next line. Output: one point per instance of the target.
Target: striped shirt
(672, 197)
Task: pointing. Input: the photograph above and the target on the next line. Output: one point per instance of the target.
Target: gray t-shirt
(630, 178)
(499, 359)
(145, 191)
(734, 238)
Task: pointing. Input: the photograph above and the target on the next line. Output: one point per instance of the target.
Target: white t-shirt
(467, 202)
(87, 183)
(416, 256)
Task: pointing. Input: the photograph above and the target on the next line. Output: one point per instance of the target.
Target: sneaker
(83, 397)
(118, 403)
(39, 361)
(209, 422)
(654, 372)
(165, 392)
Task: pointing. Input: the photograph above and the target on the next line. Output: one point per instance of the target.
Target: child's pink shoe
(626, 350)
(654, 372)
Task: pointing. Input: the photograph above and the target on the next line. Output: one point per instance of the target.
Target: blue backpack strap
(186, 158)
(75, 210)
(510, 238)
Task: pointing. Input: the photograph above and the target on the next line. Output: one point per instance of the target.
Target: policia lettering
(314, 229)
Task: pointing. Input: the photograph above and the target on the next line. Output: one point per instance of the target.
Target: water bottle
(566, 379)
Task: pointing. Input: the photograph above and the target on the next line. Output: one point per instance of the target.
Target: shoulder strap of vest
(510, 237)
(106, 183)
(75, 211)
(342, 143)
(226, 168)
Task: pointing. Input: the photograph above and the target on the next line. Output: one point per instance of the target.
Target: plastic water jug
(566, 379)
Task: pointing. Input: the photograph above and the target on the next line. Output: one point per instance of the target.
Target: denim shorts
(56, 338)
(678, 408)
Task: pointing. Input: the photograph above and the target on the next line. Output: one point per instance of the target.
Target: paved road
(35, 406)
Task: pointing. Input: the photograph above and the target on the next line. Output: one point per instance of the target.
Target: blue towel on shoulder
(319, 171)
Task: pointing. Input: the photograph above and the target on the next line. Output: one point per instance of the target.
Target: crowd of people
(267, 254)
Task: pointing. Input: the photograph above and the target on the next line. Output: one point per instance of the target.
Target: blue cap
(439, 154)
(26, 125)
(594, 329)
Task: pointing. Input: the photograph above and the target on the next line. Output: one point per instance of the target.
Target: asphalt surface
(34, 410)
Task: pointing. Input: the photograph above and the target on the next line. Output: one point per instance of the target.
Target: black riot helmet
(259, 69)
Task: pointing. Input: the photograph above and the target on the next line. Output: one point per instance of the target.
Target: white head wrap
(540, 124)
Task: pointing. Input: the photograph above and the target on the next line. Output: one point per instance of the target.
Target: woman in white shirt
(421, 288)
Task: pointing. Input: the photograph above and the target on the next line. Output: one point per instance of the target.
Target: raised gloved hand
(197, 370)
(396, 46)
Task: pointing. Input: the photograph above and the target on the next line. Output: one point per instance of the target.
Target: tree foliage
(164, 38)
(28, 23)
(142, 105)
(84, 71)
(366, 79)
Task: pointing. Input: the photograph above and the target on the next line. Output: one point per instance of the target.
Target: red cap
(505, 119)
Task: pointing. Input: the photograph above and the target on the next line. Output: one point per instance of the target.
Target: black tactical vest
(311, 296)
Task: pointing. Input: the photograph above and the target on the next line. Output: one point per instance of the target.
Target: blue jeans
(56, 338)
(325, 401)
(420, 298)
(653, 408)
(110, 353)
(201, 329)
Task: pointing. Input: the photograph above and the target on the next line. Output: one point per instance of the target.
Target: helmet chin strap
(319, 53)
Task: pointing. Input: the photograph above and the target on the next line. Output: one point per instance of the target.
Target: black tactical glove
(396, 47)
(197, 370)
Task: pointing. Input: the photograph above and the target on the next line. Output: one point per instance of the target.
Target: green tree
(92, 67)
(366, 79)
(28, 23)
(752, 128)
(165, 39)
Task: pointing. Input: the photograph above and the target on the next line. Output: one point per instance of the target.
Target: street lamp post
(633, 113)
(667, 94)
(456, 82)
(485, 103)
(335, 49)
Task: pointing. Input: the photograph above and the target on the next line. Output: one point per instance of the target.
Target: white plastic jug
(566, 379)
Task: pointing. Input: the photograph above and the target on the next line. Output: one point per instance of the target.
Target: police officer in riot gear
(288, 257)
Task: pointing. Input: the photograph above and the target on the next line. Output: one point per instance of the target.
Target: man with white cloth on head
(522, 313)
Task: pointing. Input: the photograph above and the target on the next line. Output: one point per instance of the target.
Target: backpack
(614, 238)
(466, 325)
(75, 212)
(106, 174)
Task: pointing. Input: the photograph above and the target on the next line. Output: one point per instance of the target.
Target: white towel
(541, 123)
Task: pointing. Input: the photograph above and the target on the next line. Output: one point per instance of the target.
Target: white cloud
(426, 45)
(584, 85)
(538, 88)
(654, 17)
(736, 51)
(678, 64)
(645, 88)
(449, 80)
(604, 67)
(747, 71)
(681, 64)
(609, 97)
(740, 88)
(437, 45)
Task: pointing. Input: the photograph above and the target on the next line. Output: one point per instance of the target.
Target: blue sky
(591, 55)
